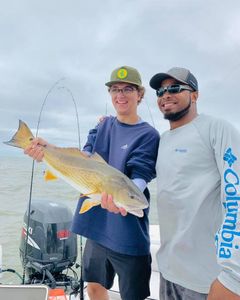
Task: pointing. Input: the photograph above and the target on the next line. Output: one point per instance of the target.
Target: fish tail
(22, 138)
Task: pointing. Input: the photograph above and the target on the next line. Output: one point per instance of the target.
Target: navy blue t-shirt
(131, 149)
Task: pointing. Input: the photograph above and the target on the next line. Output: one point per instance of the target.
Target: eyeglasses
(172, 89)
(125, 91)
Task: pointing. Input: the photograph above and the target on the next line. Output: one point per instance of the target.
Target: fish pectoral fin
(88, 194)
(88, 204)
(48, 175)
(137, 212)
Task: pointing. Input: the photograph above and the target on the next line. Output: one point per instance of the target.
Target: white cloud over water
(83, 41)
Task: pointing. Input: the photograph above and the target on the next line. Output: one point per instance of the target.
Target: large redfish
(89, 175)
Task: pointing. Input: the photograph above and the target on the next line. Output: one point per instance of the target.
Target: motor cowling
(51, 245)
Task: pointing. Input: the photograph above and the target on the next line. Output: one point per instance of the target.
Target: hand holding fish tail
(107, 203)
(35, 149)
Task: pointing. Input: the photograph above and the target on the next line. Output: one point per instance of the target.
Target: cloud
(42, 42)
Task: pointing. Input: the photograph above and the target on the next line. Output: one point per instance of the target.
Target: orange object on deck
(56, 294)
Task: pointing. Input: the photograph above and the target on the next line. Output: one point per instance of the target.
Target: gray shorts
(100, 265)
(173, 291)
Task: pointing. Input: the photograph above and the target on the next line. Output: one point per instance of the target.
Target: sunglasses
(172, 89)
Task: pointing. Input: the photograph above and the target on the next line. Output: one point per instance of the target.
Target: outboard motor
(51, 247)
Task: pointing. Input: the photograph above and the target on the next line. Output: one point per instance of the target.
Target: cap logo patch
(122, 73)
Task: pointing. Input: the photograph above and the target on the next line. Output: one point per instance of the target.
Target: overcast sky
(78, 43)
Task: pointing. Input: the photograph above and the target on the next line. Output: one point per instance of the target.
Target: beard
(179, 114)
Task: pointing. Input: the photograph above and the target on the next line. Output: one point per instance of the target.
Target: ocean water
(15, 179)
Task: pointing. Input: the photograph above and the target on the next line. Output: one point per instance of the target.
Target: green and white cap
(125, 74)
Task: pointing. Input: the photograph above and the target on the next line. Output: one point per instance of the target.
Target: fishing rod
(76, 112)
(31, 183)
(32, 177)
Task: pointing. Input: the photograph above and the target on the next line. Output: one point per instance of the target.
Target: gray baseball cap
(180, 74)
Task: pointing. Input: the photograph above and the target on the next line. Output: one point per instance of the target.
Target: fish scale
(89, 179)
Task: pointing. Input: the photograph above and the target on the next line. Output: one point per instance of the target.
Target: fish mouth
(138, 206)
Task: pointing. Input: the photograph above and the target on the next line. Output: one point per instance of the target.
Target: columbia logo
(181, 150)
(124, 147)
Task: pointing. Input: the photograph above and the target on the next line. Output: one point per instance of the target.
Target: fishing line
(150, 113)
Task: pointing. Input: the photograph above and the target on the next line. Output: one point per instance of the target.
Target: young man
(116, 244)
(198, 170)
